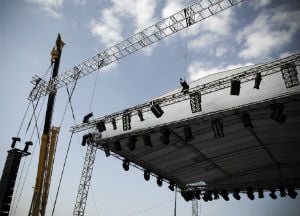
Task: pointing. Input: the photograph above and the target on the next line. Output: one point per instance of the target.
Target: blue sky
(253, 32)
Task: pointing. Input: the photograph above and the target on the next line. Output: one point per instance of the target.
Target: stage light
(126, 118)
(217, 126)
(282, 191)
(260, 193)
(126, 163)
(87, 117)
(185, 86)
(235, 87)
(197, 194)
(114, 124)
(236, 194)
(85, 138)
(250, 193)
(14, 140)
(195, 102)
(165, 136)
(277, 114)
(159, 181)
(156, 110)
(117, 146)
(171, 186)
(146, 175)
(185, 195)
(188, 133)
(101, 126)
(290, 75)
(106, 150)
(224, 194)
(216, 195)
(272, 194)
(131, 142)
(27, 144)
(246, 119)
(257, 81)
(147, 140)
(140, 114)
(292, 193)
(208, 195)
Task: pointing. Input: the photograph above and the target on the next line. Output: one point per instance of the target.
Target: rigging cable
(175, 200)
(22, 122)
(153, 207)
(93, 92)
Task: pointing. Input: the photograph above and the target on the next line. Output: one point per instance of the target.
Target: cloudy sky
(255, 31)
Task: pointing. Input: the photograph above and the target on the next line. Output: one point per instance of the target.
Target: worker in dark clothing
(185, 86)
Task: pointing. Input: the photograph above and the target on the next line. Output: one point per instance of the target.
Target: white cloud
(286, 54)
(259, 3)
(199, 70)
(271, 30)
(79, 2)
(171, 7)
(221, 50)
(49, 6)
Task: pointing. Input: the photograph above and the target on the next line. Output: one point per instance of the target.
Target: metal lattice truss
(178, 21)
(216, 85)
(85, 179)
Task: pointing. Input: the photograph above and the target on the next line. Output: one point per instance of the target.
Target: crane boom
(166, 27)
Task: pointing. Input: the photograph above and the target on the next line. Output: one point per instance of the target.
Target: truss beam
(178, 21)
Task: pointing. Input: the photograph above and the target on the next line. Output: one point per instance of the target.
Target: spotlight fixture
(246, 119)
(101, 126)
(140, 114)
(87, 117)
(165, 136)
(208, 195)
(126, 163)
(216, 195)
(146, 175)
(185, 86)
(236, 194)
(27, 144)
(117, 146)
(188, 133)
(250, 193)
(260, 193)
(292, 193)
(257, 81)
(113, 121)
(224, 194)
(147, 140)
(217, 126)
(277, 114)
(126, 118)
(159, 181)
(171, 186)
(14, 140)
(272, 194)
(85, 138)
(195, 102)
(282, 191)
(106, 150)
(235, 87)
(131, 143)
(197, 194)
(156, 110)
(185, 194)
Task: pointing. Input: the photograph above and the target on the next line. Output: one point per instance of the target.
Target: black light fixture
(184, 85)
(217, 126)
(106, 150)
(101, 126)
(208, 195)
(171, 186)
(236, 194)
(159, 181)
(117, 146)
(292, 193)
(250, 193)
(126, 163)
(114, 124)
(282, 191)
(165, 136)
(224, 195)
(197, 194)
(188, 133)
(156, 110)
(14, 141)
(85, 138)
(260, 193)
(87, 117)
(140, 114)
(27, 144)
(146, 175)
(126, 118)
(246, 119)
(216, 194)
(257, 81)
(195, 102)
(131, 143)
(272, 194)
(277, 114)
(147, 140)
(235, 87)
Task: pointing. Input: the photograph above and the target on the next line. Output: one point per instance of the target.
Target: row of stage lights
(195, 103)
(189, 195)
